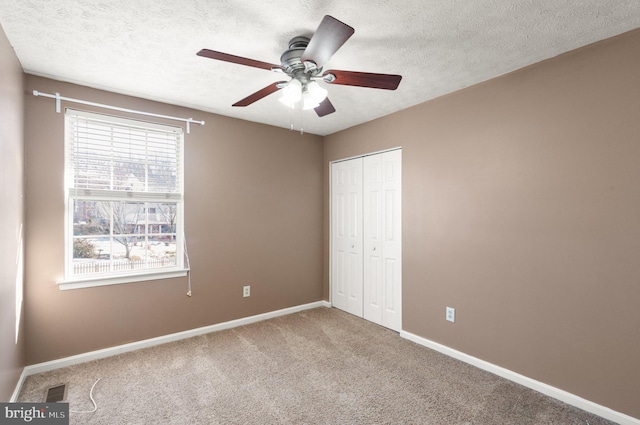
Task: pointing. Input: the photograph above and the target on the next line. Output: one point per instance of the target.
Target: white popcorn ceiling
(147, 48)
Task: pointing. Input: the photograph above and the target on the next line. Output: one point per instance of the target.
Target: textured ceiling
(148, 48)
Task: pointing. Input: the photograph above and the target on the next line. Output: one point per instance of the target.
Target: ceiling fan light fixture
(313, 95)
(292, 93)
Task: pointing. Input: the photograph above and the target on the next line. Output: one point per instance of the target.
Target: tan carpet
(320, 366)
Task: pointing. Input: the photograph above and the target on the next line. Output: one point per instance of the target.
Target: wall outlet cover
(451, 314)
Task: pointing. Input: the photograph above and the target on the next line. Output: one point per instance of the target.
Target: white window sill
(91, 281)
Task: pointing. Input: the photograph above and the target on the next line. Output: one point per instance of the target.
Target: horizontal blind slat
(115, 156)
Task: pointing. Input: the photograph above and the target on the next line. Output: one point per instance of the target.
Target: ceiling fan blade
(212, 54)
(271, 88)
(363, 79)
(325, 108)
(328, 38)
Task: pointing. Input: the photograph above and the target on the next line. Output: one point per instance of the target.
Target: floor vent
(55, 394)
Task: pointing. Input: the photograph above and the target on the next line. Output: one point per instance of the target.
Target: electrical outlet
(246, 291)
(451, 314)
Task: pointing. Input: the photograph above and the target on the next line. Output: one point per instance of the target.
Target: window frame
(73, 194)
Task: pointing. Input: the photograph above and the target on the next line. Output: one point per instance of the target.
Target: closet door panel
(373, 221)
(338, 275)
(346, 234)
(392, 239)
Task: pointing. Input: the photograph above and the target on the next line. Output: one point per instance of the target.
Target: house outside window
(124, 200)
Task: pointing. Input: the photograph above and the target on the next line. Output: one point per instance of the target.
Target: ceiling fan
(303, 62)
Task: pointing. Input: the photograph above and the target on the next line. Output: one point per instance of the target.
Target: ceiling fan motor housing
(290, 59)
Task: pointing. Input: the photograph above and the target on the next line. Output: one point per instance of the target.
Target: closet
(366, 237)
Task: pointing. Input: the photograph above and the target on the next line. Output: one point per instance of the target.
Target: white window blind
(124, 187)
(108, 153)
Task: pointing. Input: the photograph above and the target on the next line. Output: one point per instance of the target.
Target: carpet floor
(320, 366)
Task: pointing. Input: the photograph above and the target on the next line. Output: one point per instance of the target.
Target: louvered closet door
(382, 232)
(346, 236)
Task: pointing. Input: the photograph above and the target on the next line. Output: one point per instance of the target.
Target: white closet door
(392, 239)
(372, 233)
(382, 248)
(346, 236)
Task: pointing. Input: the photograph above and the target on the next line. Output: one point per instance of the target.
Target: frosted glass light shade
(312, 95)
(292, 93)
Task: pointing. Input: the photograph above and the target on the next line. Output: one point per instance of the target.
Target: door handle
(374, 248)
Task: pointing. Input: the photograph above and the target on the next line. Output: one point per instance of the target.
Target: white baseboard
(112, 351)
(541, 387)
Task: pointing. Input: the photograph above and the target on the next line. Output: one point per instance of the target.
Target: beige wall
(253, 212)
(11, 218)
(521, 209)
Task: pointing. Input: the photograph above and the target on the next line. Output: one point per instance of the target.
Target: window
(124, 200)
